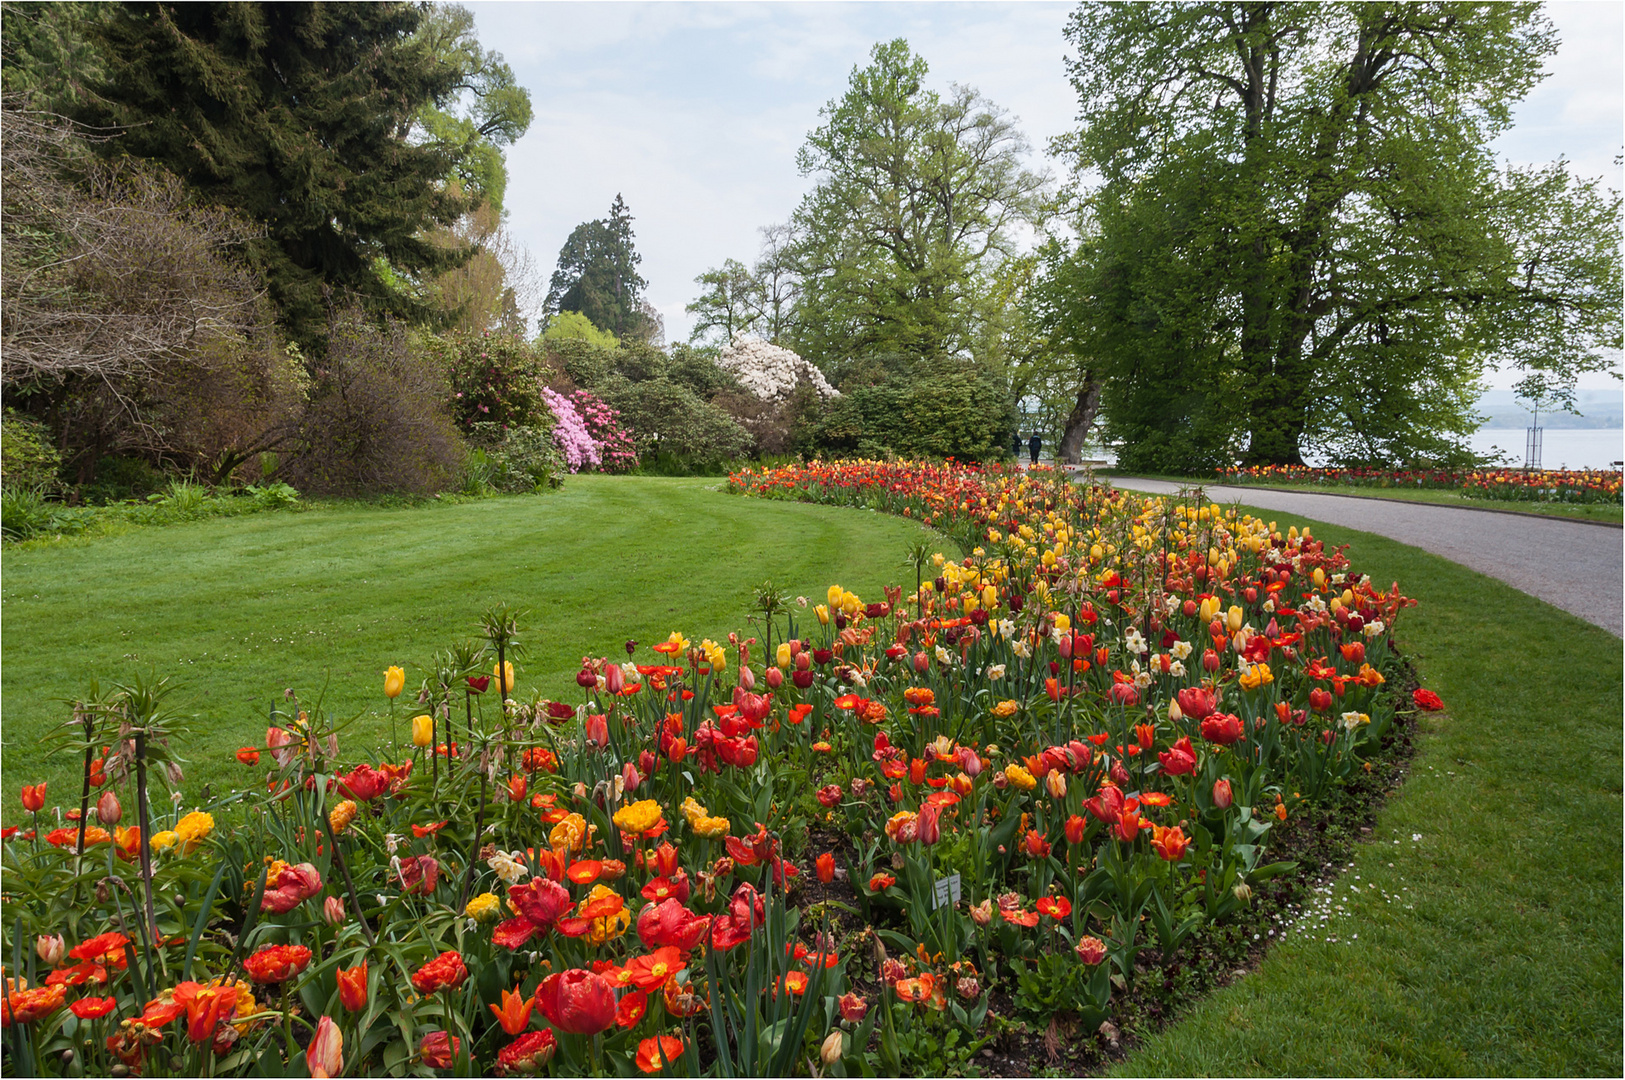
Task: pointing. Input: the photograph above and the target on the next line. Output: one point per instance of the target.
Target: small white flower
(1374, 628)
(508, 867)
(1022, 650)
(944, 656)
(1176, 669)
(1180, 650)
(391, 842)
(996, 671)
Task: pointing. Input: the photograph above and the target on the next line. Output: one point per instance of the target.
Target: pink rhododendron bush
(1053, 782)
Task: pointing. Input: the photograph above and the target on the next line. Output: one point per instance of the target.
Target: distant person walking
(1015, 444)
(1034, 445)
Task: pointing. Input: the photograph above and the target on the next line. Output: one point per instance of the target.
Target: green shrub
(27, 458)
(670, 419)
(495, 378)
(515, 459)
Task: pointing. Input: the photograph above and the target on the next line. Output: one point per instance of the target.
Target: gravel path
(1576, 566)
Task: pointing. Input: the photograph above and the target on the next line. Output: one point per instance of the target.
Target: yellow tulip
(394, 682)
(834, 595)
(823, 614)
(990, 597)
(503, 676)
(422, 730)
(783, 656)
(1233, 618)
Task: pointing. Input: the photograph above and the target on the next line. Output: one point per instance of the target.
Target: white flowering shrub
(770, 372)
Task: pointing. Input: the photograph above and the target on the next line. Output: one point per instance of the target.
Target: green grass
(1612, 514)
(1507, 960)
(239, 609)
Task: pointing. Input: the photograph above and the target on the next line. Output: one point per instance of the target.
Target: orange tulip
(34, 797)
(353, 987)
(655, 1053)
(514, 1015)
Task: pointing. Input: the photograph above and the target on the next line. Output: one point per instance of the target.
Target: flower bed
(1508, 485)
(867, 835)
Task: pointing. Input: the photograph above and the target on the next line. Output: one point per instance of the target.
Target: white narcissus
(770, 372)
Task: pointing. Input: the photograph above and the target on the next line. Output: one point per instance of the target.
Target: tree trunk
(1079, 421)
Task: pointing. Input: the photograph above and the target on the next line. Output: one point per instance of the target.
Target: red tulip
(1424, 699)
(446, 971)
(853, 1008)
(1180, 759)
(353, 987)
(1320, 700)
(597, 730)
(1075, 828)
(1222, 729)
(929, 823)
(1222, 797)
(248, 755)
(1107, 805)
(108, 811)
(577, 1001)
(292, 886)
(670, 923)
(825, 865)
(34, 797)
(439, 1049)
(1197, 702)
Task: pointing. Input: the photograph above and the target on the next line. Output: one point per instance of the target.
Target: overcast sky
(694, 111)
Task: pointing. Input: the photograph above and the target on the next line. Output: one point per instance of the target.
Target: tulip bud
(51, 948)
(1075, 828)
(830, 1052)
(1175, 715)
(1055, 782)
(982, 914)
(422, 730)
(774, 677)
(747, 678)
(394, 682)
(1210, 660)
(922, 663)
(614, 679)
(108, 811)
(1222, 797)
(587, 679)
(630, 778)
(969, 987)
(505, 677)
(333, 911)
(1242, 892)
(597, 730)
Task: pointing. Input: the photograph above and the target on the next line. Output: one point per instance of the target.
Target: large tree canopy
(920, 197)
(597, 275)
(1301, 239)
(301, 116)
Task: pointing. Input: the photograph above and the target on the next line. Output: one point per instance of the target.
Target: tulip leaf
(203, 914)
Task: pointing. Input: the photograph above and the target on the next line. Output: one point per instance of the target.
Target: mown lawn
(239, 609)
(1500, 953)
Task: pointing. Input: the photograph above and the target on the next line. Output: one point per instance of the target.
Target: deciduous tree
(1299, 210)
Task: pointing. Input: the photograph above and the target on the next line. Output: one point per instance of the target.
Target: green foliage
(730, 304)
(27, 458)
(668, 418)
(940, 409)
(513, 459)
(298, 116)
(574, 326)
(497, 109)
(918, 200)
(597, 276)
(1302, 240)
(1059, 983)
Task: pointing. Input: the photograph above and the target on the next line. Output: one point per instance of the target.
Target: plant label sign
(945, 891)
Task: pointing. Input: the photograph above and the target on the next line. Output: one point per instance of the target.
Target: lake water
(1572, 448)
